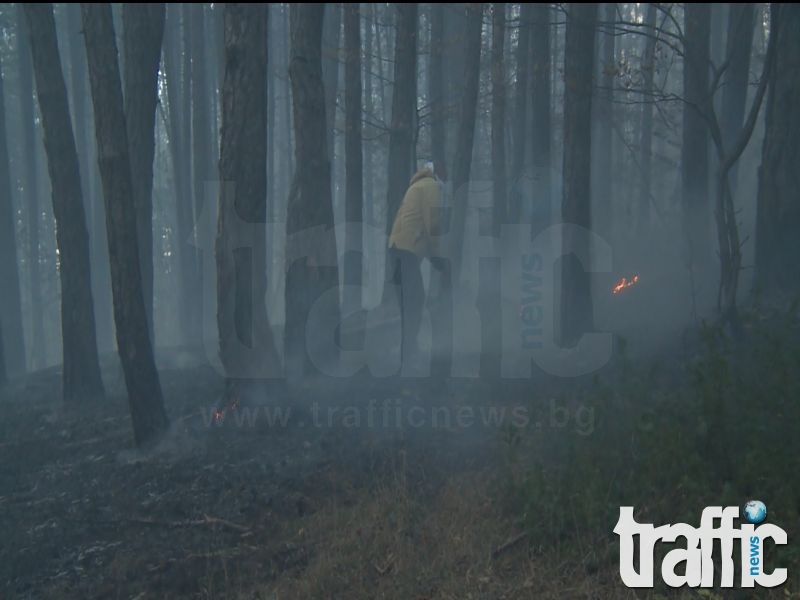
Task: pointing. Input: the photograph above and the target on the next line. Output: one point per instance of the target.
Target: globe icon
(755, 511)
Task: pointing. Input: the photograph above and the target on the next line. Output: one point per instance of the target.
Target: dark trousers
(407, 276)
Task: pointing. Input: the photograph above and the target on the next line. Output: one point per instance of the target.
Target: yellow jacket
(416, 226)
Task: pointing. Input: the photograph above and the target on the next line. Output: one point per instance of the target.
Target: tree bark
(13, 341)
(694, 158)
(741, 21)
(81, 376)
(404, 96)
(143, 31)
(462, 162)
(499, 208)
(576, 315)
(135, 350)
(519, 137)
(312, 269)
(540, 116)
(436, 88)
(247, 348)
(353, 160)
(778, 220)
(30, 190)
(646, 140)
(604, 160)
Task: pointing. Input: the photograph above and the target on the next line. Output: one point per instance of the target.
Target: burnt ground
(216, 509)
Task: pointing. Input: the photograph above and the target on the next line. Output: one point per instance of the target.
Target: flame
(220, 413)
(624, 283)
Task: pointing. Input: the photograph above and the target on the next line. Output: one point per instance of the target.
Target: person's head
(437, 168)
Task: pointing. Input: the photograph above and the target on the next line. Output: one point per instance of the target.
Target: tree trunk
(540, 116)
(177, 76)
(520, 113)
(331, 33)
(135, 350)
(462, 162)
(404, 95)
(694, 159)
(30, 189)
(436, 88)
(778, 221)
(202, 151)
(604, 170)
(13, 343)
(741, 22)
(646, 140)
(81, 364)
(499, 209)
(311, 253)
(353, 160)
(576, 316)
(143, 26)
(247, 348)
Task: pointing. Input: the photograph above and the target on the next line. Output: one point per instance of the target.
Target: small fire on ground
(624, 283)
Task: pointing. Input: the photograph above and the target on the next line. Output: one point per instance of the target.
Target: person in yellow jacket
(414, 237)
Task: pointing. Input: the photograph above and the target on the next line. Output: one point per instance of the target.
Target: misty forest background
(671, 130)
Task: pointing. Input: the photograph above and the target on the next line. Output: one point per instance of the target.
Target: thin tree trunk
(143, 33)
(741, 21)
(30, 189)
(331, 33)
(135, 350)
(436, 87)
(778, 221)
(499, 208)
(175, 90)
(540, 115)
(353, 161)
(604, 160)
(311, 253)
(247, 348)
(646, 140)
(462, 162)
(12, 343)
(404, 95)
(695, 158)
(576, 316)
(81, 375)
(519, 136)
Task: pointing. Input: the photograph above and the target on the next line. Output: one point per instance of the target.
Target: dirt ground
(245, 506)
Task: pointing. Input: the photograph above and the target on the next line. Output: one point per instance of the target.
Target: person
(414, 237)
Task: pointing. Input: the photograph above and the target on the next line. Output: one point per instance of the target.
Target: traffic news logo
(697, 555)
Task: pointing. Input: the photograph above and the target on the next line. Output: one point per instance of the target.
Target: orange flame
(624, 283)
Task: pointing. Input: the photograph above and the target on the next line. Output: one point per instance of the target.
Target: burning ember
(219, 415)
(624, 283)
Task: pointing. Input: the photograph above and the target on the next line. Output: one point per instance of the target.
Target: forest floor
(325, 496)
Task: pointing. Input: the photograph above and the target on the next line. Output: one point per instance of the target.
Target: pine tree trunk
(436, 87)
(143, 33)
(176, 92)
(694, 159)
(604, 117)
(576, 316)
(499, 209)
(404, 95)
(646, 140)
(519, 136)
(247, 348)
(353, 160)
(311, 259)
(81, 364)
(741, 23)
(30, 189)
(462, 162)
(135, 350)
(540, 116)
(12, 344)
(778, 221)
